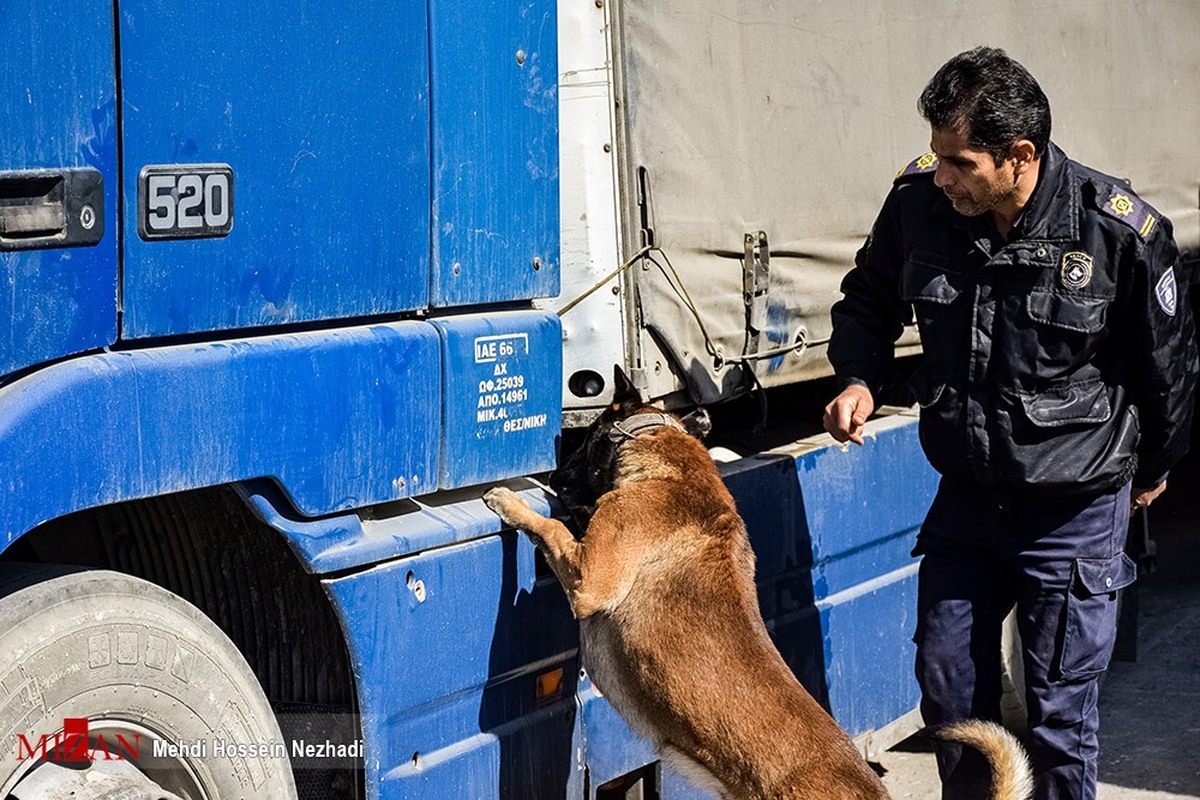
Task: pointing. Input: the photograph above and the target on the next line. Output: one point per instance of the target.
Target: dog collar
(630, 427)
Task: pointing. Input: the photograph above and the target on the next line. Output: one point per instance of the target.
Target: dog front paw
(507, 505)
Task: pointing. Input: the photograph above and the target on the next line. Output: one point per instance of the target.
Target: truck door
(58, 181)
(276, 163)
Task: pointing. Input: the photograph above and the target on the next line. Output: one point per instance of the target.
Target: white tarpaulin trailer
(753, 142)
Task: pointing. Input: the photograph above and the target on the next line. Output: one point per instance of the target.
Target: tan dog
(663, 586)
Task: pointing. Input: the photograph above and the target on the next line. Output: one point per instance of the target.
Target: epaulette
(1122, 204)
(918, 166)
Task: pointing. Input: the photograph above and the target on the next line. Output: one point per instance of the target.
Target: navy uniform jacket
(1063, 359)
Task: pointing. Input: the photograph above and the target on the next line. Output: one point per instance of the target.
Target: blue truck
(285, 287)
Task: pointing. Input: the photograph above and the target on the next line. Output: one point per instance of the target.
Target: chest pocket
(925, 278)
(1069, 312)
(941, 305)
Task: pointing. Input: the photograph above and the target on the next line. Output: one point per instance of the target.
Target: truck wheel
(144, 669)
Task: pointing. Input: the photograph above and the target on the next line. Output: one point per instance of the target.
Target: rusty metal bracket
(756, 280)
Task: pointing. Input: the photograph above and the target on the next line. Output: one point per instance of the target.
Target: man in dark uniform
(1055, 386)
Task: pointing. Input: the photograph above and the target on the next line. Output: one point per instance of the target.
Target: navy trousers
(1061, 561)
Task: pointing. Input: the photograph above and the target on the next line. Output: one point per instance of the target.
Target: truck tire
(139, 663)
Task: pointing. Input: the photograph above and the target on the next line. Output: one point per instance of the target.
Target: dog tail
(1012, 777)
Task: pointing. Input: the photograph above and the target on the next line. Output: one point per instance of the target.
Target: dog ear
(697, 423)
(623, 388)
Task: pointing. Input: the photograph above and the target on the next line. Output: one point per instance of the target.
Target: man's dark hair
(991, 98)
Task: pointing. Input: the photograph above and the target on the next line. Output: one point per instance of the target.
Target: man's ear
(1023, 154)
(697, 423)
(623, 388)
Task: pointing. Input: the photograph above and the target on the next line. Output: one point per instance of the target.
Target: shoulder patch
(1166, 292)
(918, 166)
(1122, 204)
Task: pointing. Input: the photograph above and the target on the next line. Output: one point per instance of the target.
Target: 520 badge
(185, 201)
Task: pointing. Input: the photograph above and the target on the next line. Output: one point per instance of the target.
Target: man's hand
(847, 414)
(1141, 498)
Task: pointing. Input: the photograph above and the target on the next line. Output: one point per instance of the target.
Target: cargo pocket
(1068, 312)
(1084, 403)
(1091, 618)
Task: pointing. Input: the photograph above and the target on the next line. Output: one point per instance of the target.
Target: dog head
(590, 470)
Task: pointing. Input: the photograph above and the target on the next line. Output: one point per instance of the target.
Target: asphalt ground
(1150, 707)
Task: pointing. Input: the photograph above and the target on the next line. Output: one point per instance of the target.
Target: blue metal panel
(770, 499)
(612, 749)
(336, 417)
(832, 530)
(503, 388)
(322, 111)
(447, 672)
(495, 150)
(870, 653)
(333, 544)
(58, 110)
(865, 505)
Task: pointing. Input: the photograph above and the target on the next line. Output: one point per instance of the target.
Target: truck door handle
(51, 208)
(40, 219)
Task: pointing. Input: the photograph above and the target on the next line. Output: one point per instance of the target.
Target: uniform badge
(1121, 205)
(1076, 269)
(918, 166)
(1126, 206)
(1166, 292)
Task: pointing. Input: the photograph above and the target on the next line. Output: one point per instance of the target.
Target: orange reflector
(550, 685)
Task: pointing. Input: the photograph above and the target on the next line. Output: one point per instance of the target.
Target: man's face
(971, 178)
